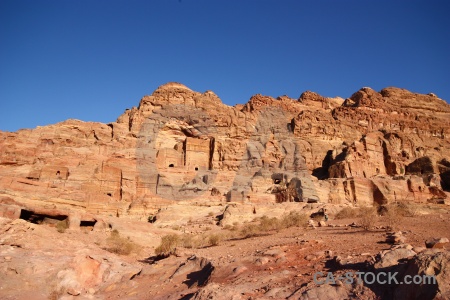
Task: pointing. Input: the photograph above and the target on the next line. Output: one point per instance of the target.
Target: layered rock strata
(182, 145)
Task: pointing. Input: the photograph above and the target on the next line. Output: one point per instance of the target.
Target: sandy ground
(291, 257)
(275, 264)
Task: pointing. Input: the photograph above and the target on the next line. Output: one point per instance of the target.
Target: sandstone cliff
(182, 145)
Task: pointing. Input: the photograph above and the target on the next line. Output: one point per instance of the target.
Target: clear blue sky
(91, 59)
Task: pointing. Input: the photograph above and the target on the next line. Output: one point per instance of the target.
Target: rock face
(178, 144)
(53, 264)
(427, 265)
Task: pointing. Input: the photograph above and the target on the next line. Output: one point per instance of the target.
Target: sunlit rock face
(182, 145)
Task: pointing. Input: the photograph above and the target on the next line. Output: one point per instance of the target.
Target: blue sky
(92, 59)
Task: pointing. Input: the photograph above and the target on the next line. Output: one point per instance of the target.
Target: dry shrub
(227, 235)
(120, 245)
(228, 227)
(214, 239)
(249, 230)
(187, 241)
(201, 240)
(192, 241)
(168, 245)
(246, 230)
(175, 227)
(234, 228)
(368, 217)
(294, 219)
(347, 213)
(392, 217)
(395, 212)
(408, 209)
(268, 224)
(61, 226)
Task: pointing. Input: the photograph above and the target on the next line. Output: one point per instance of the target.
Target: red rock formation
(180, 144)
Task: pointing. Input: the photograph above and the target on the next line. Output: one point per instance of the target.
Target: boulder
(197, 271)
(437, 243)
(435, 265)
(393, 257)
(395, 238)
(325, 291)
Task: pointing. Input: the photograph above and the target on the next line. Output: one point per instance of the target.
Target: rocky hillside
(182, 145)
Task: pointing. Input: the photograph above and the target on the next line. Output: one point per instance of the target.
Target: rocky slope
(38, 262)
(178, 145)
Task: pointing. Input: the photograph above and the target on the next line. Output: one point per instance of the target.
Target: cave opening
(321, 173)
(88, 223)
(36, 218)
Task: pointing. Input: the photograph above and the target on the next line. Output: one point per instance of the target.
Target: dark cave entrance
(88, 223)
(36, 218)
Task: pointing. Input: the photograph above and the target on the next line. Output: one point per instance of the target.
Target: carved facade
(195, 155)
